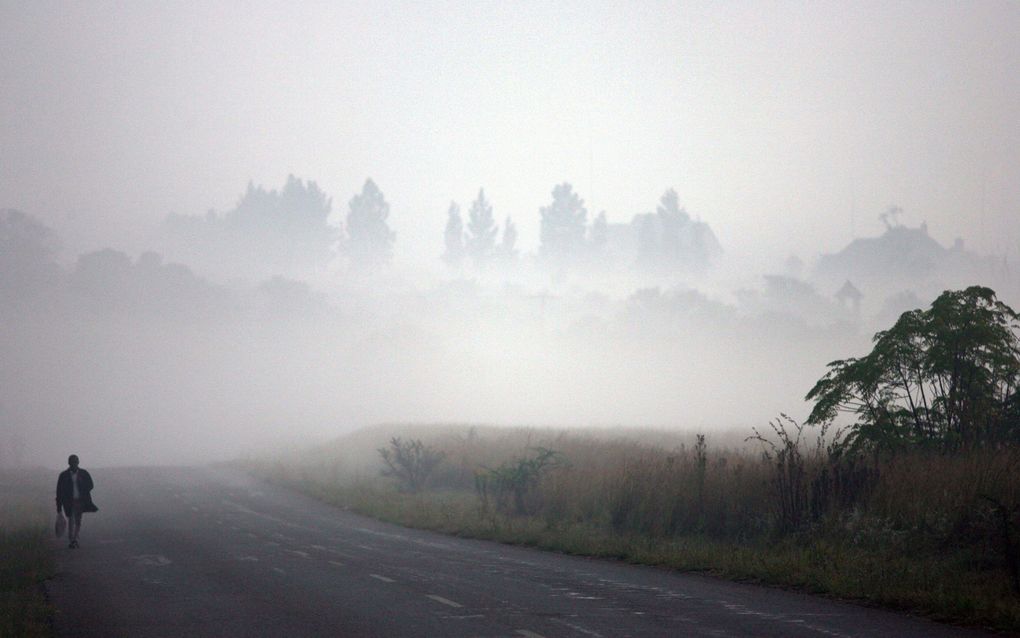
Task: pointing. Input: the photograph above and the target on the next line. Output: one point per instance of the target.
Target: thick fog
(224, 229)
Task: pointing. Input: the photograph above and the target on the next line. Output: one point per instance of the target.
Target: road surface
(211, 552)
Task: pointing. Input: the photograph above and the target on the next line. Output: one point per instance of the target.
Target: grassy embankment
(917, 531)
(26, 558)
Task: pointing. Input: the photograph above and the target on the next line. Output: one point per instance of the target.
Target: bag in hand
(60, 525)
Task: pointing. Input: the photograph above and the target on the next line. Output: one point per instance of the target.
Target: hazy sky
(774, 121)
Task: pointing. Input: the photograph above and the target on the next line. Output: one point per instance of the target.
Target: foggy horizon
(193, 265)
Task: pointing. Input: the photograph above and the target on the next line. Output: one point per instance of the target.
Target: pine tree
(564, 223)
(481, 235)
(454, 237)
(370, 240)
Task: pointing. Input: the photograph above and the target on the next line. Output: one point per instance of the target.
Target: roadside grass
(913, 532)
(26, 559)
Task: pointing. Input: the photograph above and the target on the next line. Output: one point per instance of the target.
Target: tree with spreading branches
(945, 377)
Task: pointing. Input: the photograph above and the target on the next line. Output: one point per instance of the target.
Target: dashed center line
(444, 601)
(382, 578)
(298, 552)
(528, 634)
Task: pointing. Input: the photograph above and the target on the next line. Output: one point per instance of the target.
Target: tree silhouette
(673, 221)
(481, 227)
(410, 462)
(369, 238)
(670, 241)
(27, 254)
(454, 237)
(266, 231)
(508, 247)
(563, 226)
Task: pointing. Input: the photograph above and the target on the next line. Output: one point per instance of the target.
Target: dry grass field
(25, 555)
(922, 531)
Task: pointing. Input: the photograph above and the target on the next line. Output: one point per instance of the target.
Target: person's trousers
(74, 520)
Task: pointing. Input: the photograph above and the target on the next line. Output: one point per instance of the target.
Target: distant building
(903, 258)
(899, 252)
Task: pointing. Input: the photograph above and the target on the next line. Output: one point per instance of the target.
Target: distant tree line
(291, 228)
(478, 241)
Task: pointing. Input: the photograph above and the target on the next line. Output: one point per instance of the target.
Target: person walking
(74, 496)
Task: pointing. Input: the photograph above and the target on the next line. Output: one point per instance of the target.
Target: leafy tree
(946, 376)
(482, 229)
(670, 241)
(267, 231)
(510, 484)
(289, 226)
(370, 240)
(411, 462)
(454, 236)
(28, 251)
(564, 223)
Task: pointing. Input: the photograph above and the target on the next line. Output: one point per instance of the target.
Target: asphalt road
(204, 552)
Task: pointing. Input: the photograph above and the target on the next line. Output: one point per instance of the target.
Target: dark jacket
(65, 491)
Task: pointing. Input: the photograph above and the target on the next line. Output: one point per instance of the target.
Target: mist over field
(225, 230)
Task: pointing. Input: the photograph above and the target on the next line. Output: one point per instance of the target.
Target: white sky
(774, 121)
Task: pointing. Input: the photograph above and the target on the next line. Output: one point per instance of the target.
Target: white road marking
(382, 578)
(528, 634)
(151, 560)
(333, 562)
(242, 508)
(577, 628)
(444, 601)
(298, 552)
(577, 596)
(248, 559)
(278, 570)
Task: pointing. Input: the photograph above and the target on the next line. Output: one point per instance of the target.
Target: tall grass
(25, 556)
(921, 531)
